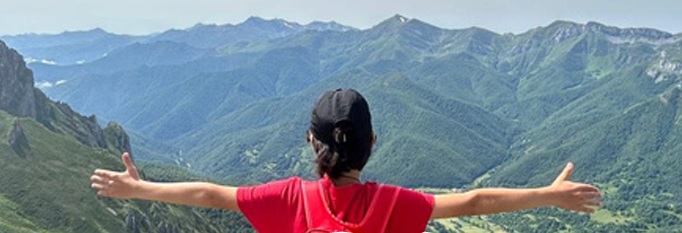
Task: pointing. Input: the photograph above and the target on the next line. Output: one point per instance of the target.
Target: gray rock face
(17, 95)
(18, 141)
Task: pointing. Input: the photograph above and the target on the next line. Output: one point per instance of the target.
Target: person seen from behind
(342, 138)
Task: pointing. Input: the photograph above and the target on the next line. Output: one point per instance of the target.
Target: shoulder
(271, 204)
(269, 190)
(277, 183)
(412, 210)
(407, 194)
(411, 200)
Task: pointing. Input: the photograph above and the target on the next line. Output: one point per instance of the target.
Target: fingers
(565, 174)
(103, 177)
(99, 182)
(102, 185)
(96, 179)
(587, 188)
(587, 206)
(127, 161)
(591, 195)
(592, 203)
(585, 202)
(130, 166)
(591, 199)
(99, 186)
(105, 173)
(102, 193)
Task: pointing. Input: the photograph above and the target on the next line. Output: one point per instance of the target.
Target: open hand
(117, 184)
(574, 196)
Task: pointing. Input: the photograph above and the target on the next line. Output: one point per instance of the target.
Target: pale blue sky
(147, 16)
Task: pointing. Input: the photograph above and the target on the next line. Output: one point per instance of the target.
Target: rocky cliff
(17, 95)
(20, 98)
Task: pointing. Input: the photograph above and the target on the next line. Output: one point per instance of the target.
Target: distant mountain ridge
(251, 30)
(80, 47)
(470, 106)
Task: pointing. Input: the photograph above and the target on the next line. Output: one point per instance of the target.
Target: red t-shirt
(278, 206)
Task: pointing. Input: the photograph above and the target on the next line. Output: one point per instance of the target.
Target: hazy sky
(147, 16)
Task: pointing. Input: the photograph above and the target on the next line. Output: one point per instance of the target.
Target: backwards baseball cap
(342, 107)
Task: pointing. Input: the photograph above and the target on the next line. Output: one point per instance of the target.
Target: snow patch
(43, 84)
(48, 62)
(30, 60)
(48, 84)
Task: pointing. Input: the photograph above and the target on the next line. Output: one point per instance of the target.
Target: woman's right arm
(561, 193)
(128, 185)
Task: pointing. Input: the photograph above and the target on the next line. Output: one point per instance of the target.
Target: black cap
(337, 107)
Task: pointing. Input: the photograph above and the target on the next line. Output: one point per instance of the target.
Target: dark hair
(342, 128)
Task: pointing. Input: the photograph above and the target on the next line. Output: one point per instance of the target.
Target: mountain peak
(400, 18)
(92, 32)
(276, 24)
(203, 25)
(98, 30)
(563, 24)
(393, 22)
(254, 19)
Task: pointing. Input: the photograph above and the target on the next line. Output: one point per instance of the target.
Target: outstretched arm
(561, 193)
(128, 185)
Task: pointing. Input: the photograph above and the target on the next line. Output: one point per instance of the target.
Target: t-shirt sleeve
(269, 204)
(412, 212)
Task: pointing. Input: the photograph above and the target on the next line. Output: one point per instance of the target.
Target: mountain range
(452, 108)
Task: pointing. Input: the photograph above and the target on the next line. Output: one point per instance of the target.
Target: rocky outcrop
(17, 95)
(18, 141)
(631, 35)
(116, 137)
(664, 69)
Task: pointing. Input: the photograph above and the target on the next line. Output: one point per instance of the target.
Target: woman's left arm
(561, 193)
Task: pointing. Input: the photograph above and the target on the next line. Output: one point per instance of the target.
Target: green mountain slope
(48, 189)
(640, 180)
(47, 154)
(466, 134)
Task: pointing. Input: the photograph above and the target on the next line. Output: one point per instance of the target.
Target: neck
(348, 178)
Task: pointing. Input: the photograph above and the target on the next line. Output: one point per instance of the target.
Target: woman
(341, 136)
